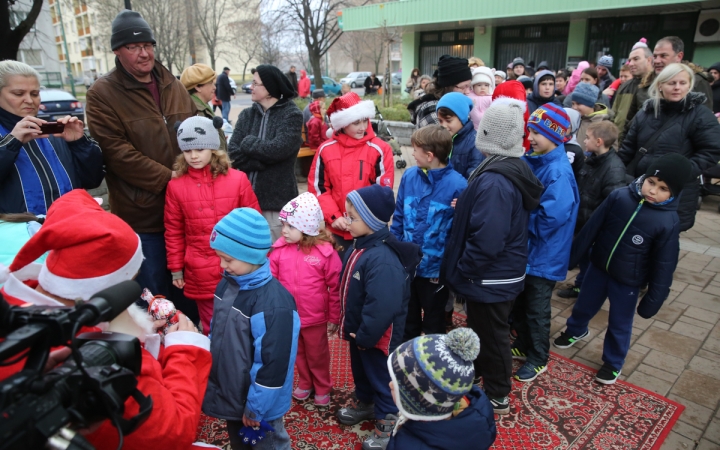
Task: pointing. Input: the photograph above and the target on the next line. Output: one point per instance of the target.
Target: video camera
(92, 385)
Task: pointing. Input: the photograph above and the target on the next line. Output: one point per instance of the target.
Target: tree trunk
(315, 64)
(189, 11)
(211, 52)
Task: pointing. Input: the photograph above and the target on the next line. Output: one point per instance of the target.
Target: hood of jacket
(691, 100)
(535, 95)
(303, 74)
(635, 187)
(325, 250)
(520, 175)
(408, 253)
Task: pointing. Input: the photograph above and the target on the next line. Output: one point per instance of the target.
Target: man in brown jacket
(131, 113)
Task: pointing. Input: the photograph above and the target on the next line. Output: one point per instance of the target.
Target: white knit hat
(502, 128)
(304, 213)
(484, 75)
(198, 133)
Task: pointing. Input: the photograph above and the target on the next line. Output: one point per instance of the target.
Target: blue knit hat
(586, 94)
(243, 234)
(458, 103)
(433, 372)
(551, 121)
(606, 61)
(375, 204)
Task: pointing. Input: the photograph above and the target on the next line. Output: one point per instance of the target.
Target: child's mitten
(253, 435)
(648, 307)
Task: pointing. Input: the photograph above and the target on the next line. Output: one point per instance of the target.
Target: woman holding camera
(36, 166)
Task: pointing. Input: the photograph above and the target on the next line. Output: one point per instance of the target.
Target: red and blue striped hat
(551, 121)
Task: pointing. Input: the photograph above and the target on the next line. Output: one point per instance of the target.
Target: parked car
(330, 86)
(246, 88)
(355, 79)
(56, 103)
(233, 85)
(396, 79)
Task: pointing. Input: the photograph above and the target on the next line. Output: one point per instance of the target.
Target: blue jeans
(277, 440)
(154, 273)
(226, 110)
(598, 286)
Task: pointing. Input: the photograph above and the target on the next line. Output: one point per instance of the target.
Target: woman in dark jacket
(37, 168)
(372, 84)
(266, 141)
(685, 127)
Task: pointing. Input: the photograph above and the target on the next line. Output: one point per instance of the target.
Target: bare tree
(375, 48)
(271, 39)
(354, 46)
(388, 36)
(16, 20)
(247, 44)
(211, 16)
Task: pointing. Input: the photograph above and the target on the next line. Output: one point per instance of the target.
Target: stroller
(710, 183)
(383, 132)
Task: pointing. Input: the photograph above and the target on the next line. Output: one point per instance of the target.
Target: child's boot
(381, 436)
(356, 412)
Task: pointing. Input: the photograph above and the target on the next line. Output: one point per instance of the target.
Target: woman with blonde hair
(674, 120)
(475, 62)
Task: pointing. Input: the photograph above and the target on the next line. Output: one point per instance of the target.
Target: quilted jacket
(194, 203)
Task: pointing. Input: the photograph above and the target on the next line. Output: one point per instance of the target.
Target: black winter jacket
(694, 133)
(264, 145)
(600, 175)
(635, 242)
(487, 250)
(223, 89)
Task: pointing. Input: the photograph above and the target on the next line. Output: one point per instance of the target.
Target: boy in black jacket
(634, 239)
(602, 173)
(374, 295)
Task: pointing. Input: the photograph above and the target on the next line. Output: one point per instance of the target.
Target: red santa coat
(194, 204)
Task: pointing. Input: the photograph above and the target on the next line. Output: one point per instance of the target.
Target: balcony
(86, 53)
(58, 39)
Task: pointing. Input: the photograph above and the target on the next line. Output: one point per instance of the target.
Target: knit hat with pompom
(433, 372)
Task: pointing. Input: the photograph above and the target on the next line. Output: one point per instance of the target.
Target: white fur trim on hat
(72, 288)
(502, 100)
(363, 110)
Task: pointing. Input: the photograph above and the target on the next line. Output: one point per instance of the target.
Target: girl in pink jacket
(304, 260)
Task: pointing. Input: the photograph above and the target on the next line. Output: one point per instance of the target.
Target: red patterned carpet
(562, 409)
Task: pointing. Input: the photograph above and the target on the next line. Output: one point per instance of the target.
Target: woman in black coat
(685, 126)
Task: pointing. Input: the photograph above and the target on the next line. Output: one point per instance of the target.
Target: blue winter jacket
(635, 242)
(474, 428)
(375, 290)
(254, 343)
(423, 214)
(552, 223)
(465, 157)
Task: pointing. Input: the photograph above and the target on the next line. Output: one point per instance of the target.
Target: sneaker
(301, 394)
(572, 292)
(322, 400)
(565, 340)
(356, 412)
(607, 374)
(528, 372)
(518, 354)
(500, 405)
(381, 436)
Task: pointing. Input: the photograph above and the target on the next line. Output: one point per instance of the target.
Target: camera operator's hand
(184, 324)
(57, 357)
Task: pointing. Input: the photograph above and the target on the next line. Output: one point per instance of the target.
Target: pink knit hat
(304, 213)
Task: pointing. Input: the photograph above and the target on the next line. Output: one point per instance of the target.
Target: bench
(305, 151)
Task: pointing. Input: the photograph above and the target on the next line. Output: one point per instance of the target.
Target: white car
(355, 79)
(233, 85)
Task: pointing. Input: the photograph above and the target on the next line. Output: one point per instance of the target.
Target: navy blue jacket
(552, 224)
(253, 345)
(474, 428)
(487, 250)
(375, 290)
(647, 251)
(423, 214)
(465, 157)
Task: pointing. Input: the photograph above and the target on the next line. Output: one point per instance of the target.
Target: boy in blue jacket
(634, 240)
(453, 111)
(374, 293)
(550, 230)
(254, 331)
(423, 216)
(432, 385)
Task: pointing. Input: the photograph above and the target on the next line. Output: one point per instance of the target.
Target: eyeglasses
(134, 49)
(256, 84)
(350, 220)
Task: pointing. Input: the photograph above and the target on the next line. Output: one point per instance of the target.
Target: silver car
(355, 79)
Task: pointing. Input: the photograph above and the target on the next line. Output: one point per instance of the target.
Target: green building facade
(559, 32)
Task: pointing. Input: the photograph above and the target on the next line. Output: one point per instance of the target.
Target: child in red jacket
(305, 262)
(353, 158)
(206, 190)
(316, 127)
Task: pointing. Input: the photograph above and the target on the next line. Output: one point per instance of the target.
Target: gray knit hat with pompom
(433, 372)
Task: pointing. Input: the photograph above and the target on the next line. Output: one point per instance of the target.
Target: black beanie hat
(452, 71)
(275, 82)
(129, 27)
(672, 168)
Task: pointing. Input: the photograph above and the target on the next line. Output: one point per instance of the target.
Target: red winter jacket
(312, 278)
(194, 203)
(316, 132)
(344, 164)
(303, 85)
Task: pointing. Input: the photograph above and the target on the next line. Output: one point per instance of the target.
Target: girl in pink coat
(304, 260)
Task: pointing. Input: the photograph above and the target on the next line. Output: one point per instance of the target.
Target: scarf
(253, 280)
(43, 177)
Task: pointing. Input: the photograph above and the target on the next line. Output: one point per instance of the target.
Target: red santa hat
(347, 109)
(90, 249)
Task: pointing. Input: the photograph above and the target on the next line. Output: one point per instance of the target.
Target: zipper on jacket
(361, 164)
(607, 265)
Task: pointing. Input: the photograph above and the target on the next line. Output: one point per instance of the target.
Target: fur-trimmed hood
(691, 100)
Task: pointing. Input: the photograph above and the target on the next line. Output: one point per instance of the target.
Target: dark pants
(531, 319)
(425, 297)
(372, 379)
(584, 263)
(494, 363)
(598, 286)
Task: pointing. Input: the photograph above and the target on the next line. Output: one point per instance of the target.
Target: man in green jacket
(639, 63)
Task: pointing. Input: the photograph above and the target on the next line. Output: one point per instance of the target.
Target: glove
(252, 436)
(648, 307)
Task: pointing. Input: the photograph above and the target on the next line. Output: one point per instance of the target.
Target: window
(18, 16)
(32, 57)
